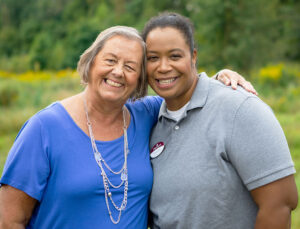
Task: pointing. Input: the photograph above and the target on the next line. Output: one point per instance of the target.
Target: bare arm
(16, 208)
(275, 202)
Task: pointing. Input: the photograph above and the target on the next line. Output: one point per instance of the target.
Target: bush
(9, 93)
(279, 75)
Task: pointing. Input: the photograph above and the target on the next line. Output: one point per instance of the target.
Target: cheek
(92, 76)
(151, 81)
(99, 71)
(134, 78)
(187, 63)
(150, 69)
(186, 67)
(150, 78)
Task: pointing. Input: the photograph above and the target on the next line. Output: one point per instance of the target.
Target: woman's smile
(166, 82)
(113, 83)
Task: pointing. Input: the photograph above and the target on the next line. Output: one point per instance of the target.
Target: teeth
(113, 83)
(168, 81)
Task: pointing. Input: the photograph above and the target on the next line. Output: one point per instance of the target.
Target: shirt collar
(198, 99)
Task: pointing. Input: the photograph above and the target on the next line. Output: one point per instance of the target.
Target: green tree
(236, 33)
(241, 34)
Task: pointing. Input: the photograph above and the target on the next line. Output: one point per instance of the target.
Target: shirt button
(176, 127)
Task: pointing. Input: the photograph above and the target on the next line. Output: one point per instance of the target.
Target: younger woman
(219, 156)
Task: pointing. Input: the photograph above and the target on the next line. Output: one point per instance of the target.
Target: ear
(194, 57)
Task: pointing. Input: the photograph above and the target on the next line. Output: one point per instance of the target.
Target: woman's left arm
(16, 208)
(232, 78)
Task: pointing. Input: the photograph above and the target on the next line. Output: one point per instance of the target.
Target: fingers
(229, 77)
(234, 79)
(246, 84)
(223, 78)
(249, 87)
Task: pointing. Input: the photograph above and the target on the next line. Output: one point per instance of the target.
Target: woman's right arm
(16, 208)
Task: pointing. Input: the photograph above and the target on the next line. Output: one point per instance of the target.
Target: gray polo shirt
(226, 143)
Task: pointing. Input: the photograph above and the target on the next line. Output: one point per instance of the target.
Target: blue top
(52, 161)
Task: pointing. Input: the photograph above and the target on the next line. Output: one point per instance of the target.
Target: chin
(112, 98)
(165, 95)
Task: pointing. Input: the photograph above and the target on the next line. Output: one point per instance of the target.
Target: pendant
(97, 157)
(123, 176)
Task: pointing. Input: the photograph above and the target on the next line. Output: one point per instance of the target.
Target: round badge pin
(157, 149)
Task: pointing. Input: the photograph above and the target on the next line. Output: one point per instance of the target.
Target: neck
(176, 104)
(99, 111)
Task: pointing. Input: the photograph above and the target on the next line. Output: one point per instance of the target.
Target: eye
(110, 61)
(129, 67)
(152, 58)
(175, 56)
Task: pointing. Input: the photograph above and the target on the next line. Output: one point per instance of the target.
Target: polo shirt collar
(198, 99)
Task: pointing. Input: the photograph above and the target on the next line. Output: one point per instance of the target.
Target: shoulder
(229, 100)
(50, 115)
(148, 105)
(51, 111)
(236, 108)
(47, 117)
(218, 89)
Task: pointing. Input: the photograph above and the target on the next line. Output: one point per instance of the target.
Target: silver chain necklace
(123, 171)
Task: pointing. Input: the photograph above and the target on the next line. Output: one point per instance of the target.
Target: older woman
(51, 176)
(84, 162)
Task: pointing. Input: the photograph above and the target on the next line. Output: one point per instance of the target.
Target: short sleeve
(27, 165)
(259, 150)
(153, 104)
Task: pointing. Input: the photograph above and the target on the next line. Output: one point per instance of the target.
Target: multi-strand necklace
(102, 163)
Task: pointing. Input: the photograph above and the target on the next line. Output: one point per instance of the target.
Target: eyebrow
(172, 50)
(128, 61)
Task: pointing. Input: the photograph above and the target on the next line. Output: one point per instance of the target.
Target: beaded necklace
(101, 163)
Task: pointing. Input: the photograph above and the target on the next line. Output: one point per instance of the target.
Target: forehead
(122, 46)
(166, 38)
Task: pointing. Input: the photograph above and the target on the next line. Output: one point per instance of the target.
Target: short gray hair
(87, 58)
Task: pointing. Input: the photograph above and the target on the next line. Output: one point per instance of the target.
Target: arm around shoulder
(16, 208)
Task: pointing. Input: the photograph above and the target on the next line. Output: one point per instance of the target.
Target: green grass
(5, 143)
(291, 125)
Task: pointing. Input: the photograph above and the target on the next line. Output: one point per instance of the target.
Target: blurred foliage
(36, 88)
(240, 34)
(8, 94)
(278, 83)
(283, 75)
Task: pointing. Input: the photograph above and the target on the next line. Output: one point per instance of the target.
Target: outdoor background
(41, 41)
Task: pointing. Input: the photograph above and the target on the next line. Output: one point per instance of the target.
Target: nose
(164, 65)
(118, 70)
